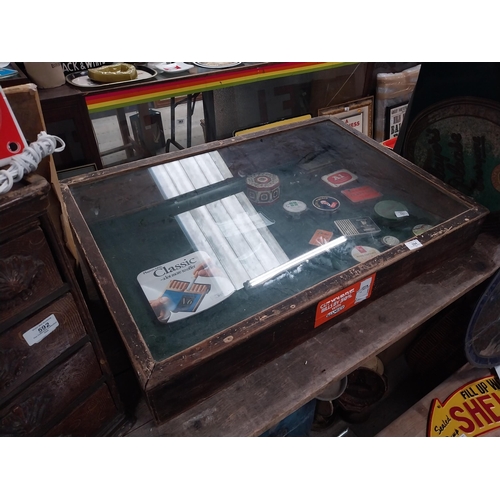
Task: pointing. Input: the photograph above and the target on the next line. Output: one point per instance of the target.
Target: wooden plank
(261, 399)
(413, 423)
(25, 104)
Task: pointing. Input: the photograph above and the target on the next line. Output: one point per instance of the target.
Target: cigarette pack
(357, 226)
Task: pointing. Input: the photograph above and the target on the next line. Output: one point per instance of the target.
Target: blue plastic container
(298, 424)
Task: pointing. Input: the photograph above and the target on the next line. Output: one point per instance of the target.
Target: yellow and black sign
(471, 410)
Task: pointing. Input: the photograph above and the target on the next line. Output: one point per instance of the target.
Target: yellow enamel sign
(472, 410)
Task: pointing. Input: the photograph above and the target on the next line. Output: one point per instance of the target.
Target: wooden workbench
(264, 397)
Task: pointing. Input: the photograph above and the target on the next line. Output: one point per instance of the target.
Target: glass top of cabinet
(198, 244)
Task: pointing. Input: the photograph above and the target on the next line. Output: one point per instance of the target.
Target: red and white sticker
(339, 178)
(320, 237)
(342, 301)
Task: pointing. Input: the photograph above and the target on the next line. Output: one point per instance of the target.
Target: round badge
(421, 228)
(295, 207)
(388, 208)
(390, 241)
(362, 253)
(326, 203)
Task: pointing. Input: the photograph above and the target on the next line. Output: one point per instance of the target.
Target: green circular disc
(388, 208)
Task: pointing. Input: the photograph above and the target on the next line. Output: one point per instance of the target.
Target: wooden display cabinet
(301, 225)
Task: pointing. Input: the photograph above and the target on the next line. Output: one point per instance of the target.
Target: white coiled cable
(27, 161)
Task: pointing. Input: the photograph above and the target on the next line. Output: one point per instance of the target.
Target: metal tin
(333, 390)
(263, 188)
(295, 208)
(390, 241)
(387, 209)
(362, 253)
(421, 228)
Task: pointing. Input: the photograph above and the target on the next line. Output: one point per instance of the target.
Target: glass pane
(272, 216)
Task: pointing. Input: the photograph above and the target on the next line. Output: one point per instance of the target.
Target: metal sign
(458, 141)
(471, 410)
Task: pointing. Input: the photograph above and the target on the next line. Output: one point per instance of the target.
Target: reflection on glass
(276, 215)
(229, 229)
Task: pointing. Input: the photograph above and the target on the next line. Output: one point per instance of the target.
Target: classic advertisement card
(185, 286)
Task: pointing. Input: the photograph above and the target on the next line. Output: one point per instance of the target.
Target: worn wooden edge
(239, 333)
(67, 272)
(264, 397)
(21, 206)
(32, 186)
(140, 356)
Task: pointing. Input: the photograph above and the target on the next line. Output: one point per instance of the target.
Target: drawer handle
(17, 274)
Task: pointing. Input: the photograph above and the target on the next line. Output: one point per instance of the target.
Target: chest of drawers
(54, 377)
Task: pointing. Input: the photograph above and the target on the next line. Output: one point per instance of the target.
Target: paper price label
(40, 331)
(413, 244)
(401, 213)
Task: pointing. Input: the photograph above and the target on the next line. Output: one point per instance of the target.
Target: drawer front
(50, 396)
(19, 360)
(28, 274)
(90, 417)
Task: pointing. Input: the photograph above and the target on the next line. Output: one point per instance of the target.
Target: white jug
(46, 74)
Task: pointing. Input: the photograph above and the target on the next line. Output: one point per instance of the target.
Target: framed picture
(357, 114)
(394, 119)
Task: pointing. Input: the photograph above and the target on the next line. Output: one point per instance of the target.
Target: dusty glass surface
(271, 216)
